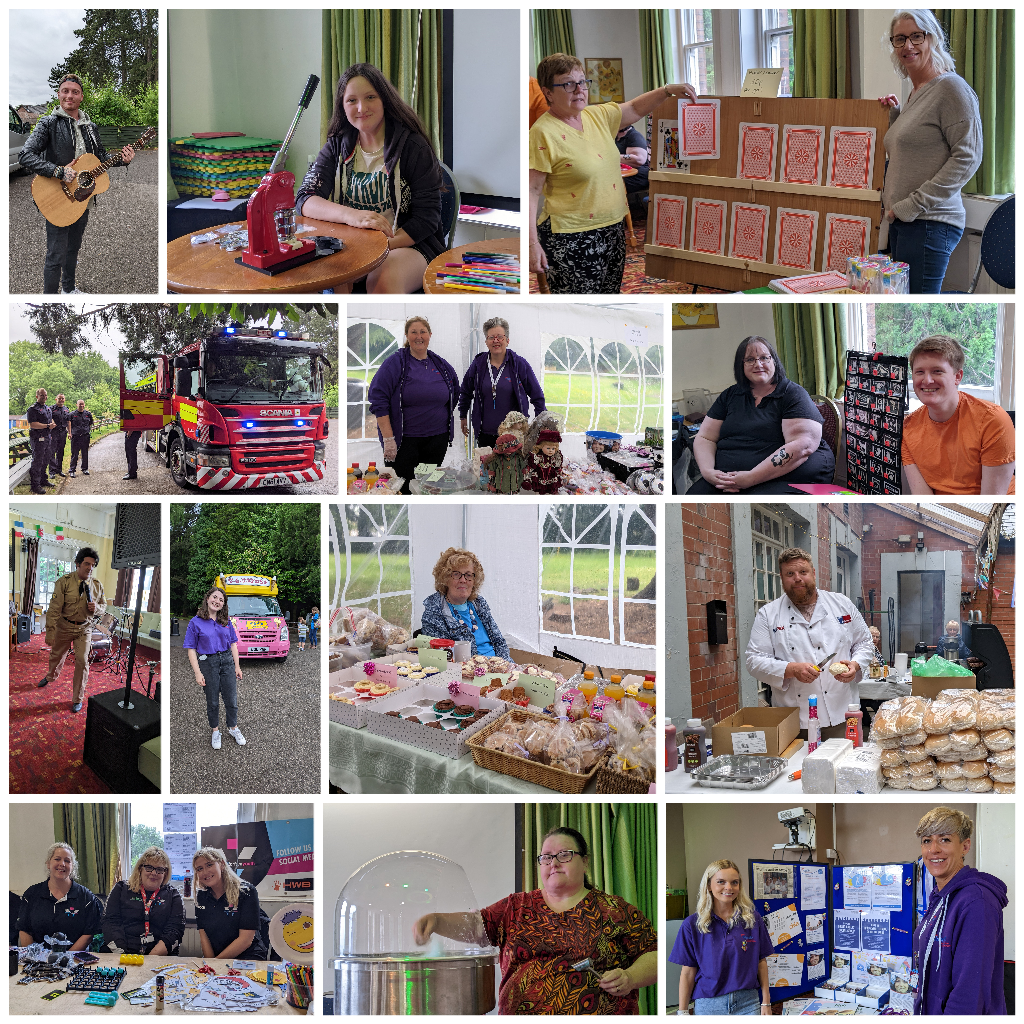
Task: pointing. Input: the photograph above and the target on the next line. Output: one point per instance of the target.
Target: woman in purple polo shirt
(212, 646)
(414, 396)
(722, 949)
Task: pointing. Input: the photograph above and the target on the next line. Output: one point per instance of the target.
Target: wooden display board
(715, 179)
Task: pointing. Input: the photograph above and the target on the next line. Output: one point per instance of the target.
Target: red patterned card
(700, 129)
(803, 149)
(669, 220)
(755, 157)
(796, 238)
(808, 284)
(748, 232)
(851, 154)
(707, 226)
(845, 235)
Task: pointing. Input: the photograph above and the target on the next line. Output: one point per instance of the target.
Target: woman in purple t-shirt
(414, 396)
(212, 646)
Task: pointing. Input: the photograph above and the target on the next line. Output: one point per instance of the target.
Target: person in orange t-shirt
(538, 105)
(956, 444)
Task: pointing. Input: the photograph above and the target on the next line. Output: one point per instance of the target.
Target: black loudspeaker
(718, 623)
(987, 643)
(136, 536)
(113, 737)
(24, 629)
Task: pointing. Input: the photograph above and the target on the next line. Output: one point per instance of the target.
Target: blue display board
(784, 893)
(873, 917)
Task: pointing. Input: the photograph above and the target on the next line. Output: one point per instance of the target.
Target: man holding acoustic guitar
(53, 148)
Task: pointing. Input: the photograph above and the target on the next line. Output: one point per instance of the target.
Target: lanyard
(474, 623)
(147, 903)
(494, 380)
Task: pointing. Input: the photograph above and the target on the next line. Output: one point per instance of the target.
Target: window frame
(768, 32)
(365, 364)
(684, 19)
(387, 533)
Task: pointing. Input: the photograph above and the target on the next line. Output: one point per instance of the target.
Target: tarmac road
(278, 713)
(107, 466)
(120, 250)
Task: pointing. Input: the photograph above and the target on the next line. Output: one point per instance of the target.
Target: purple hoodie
(962, 971)
(385, 394)
(476, 388)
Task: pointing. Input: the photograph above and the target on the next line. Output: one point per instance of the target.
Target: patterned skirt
(584, 262)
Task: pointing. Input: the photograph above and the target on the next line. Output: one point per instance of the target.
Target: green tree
(117, 47)
(143, 837)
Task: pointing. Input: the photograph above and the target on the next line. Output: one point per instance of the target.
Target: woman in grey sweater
(934, 146)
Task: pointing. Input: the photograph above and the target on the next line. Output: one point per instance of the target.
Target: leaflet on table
(846, 928)
(773, 882)
(840, 967)
(783, 924)
(887, 887)
(901, 991)
(815, 964)
(813, 886)
(179, 817)
(874, 968)
(815, 925)
(785, 970)
(857, 888)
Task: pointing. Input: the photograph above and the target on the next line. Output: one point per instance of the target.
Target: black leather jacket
(51, 146)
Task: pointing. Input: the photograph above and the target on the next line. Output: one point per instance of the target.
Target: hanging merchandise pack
(873, 410)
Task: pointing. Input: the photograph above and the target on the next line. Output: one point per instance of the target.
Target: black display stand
(875, 403)
(113, 736)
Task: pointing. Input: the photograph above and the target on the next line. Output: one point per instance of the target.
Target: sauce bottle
(855, 725)
(695, 751)
(613, 688)
(671, 748)
(813, 729)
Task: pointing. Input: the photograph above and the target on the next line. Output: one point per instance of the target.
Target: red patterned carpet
(46, 737)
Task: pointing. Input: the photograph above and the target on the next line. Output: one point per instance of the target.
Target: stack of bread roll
(963, 741)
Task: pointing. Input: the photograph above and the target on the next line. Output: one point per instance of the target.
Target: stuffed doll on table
(544, 473)
(505, 465)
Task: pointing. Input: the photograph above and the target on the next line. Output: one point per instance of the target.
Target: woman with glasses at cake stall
(934, 146)
(145, 914)
(60, 904)
(391, 180)
(722, 949)
(456, 611)
(574, 164)
(414, 396)
(761, 434)
(497, 382)
(542, 933)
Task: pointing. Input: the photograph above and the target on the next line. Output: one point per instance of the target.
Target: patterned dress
(505, 473)
(544, 473)
(539, 945)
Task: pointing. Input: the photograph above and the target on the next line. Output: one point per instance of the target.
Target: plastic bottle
(813, 729)
(588, 687)
(695, 750)
(188, 883)
(671, 749)
(614, 689)
(855, 725)
(350, 476)
(647, 695)
(371, 475)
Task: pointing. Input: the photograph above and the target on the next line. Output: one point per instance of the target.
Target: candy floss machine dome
(379, 968)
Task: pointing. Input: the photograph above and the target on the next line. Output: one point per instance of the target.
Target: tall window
(842, 585)
(771, 536)
(133, 581)
(51, 568)
(377, 565)
(697, 50)
(370, 342)
(598, 572)
(777, 45)
(602, 385)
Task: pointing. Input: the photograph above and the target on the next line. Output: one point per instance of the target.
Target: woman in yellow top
(574, 164)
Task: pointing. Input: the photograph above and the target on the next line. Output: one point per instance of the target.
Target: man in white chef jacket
(793, 633)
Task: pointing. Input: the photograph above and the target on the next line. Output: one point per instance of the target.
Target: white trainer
(74, 291)
(236, 735)
(215, 739)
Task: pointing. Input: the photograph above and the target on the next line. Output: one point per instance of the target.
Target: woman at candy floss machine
(381, 969)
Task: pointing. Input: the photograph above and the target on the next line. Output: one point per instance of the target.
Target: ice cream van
(252, 604)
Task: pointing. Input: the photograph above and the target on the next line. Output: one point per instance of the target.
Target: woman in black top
(145, 914)
(227, 910)
(59, 904)
(390, 178)
(761, 434)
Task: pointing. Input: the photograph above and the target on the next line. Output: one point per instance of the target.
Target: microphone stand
(126, 703)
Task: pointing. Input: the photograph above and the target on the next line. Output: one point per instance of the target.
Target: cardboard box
(929, 686)
(874, 998)
(773, 728)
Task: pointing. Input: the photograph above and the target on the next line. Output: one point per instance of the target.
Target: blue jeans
(925, 245)
(745, 1003)
(219, 672)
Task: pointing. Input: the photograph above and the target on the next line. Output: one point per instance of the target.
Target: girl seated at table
(145, 914)
(390, 178)
(228, 913)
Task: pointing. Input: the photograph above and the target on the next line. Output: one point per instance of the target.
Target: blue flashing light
(230, 330)
(250, 423)
(300, 423)
(281, 334)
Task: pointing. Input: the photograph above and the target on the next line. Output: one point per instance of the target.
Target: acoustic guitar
(63, 202)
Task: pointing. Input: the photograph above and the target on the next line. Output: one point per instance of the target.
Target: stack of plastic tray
(200, 166)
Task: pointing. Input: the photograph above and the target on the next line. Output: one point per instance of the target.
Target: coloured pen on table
(482, 271)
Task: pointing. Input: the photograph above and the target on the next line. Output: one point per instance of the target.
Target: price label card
(438, 659)
(761, 82)
(541, 691)
(749, 743)
(387, 674)
(470, 695)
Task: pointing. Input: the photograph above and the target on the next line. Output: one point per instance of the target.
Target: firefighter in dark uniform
(76, 606)
(131, 453)
(40, 426)
(81, 430)
(59, 438)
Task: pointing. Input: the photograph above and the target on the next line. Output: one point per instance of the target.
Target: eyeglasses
(155, 870)
(582, 84)
(497, 337)
(766, 360)
(467, 576)
(917, 38)
(563, 857)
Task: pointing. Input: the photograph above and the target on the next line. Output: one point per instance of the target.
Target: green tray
(237, 142)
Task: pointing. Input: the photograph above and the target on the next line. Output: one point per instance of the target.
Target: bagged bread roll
(891, 758)
(914, 754)
(949, 770)
(996, 714)
(929, 782)
(1003, 759)
(1002, 774)
(898, 717)
(954, 785)
(958, 693)
(898, 783)
(964, 739)
(889, 744)
(1004, 788)
(980, 785)
(975, 769)
(997, 694)
(911, 771)
(938, 718)
(914, 739)
(978, 753)
(938, 744)
(998, 739)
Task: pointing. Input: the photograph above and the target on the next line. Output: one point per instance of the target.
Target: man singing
(76, 606)
(57, 141)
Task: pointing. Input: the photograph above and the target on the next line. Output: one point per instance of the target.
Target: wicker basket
(611, 780)
(519, 767)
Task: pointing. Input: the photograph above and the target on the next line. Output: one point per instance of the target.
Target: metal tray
(738, 771)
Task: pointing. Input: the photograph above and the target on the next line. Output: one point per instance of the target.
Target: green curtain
(981, 43)
(821, 55)
(623, 843)
(655, 39)
(811, 341)
(91, 831)
(552, 33)
(404, 44)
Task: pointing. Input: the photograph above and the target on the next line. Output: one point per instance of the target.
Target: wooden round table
(207, 268)
(437, 265)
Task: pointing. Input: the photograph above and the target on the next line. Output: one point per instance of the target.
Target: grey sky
(107, 343)
(39, 41)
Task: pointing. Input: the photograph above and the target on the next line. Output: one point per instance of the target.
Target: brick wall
(708, 565)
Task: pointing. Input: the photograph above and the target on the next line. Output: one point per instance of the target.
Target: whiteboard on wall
(486, 102)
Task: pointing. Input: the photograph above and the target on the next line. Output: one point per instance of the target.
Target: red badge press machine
(270, 214)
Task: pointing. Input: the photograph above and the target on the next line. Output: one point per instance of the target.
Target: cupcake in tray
(444, 707)
(463, 711)
(362, 687)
